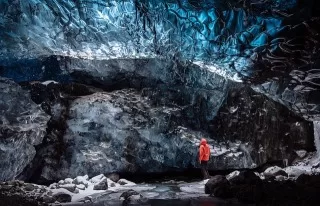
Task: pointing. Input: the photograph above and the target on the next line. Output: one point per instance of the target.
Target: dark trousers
(204, 169)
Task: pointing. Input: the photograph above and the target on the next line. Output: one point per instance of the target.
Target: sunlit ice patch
(218, 70)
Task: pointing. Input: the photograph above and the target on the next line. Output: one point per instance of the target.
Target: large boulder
(218, 186)
(102, 185)
(271, 131)
(244, 177)
(274, 171)
(62, 197)
(22, 126)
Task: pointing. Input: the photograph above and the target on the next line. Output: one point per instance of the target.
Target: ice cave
(108, 102)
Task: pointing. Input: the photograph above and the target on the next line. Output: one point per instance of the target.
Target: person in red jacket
(204, 156)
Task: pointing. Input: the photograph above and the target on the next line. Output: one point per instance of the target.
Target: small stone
(68, 181)
(69, 187)
(114, 177)
(103, 185)
(280, 178)
(6, 187)
(81, 187)
(125, 182)
(29, 187)
(97, 178)
(48, 199)
(274, 171)
(301, 153)
(129, 193)
(53, 186)
(62, 197)
(10, 183)
(81, 180)
(21, 183)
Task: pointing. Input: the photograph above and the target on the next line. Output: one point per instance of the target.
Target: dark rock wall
(275, 131)
(22, 126)
(158, 123)
(166, 82)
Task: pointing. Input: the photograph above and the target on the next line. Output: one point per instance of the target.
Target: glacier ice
(241, 37)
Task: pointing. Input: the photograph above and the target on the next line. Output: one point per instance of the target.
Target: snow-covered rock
(69, 187)
(281, 178)
(296, 171)
(81, 187)
(97, 179)
(68, 181)
(126, 182)
(274, 171)
(102, 185)
(232, 174)
(301, 153)
(81, 180)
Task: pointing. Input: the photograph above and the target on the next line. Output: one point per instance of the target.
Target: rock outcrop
(272, 131)
(166, 82)
(22, 126)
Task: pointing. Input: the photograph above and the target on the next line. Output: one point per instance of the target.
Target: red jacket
(204, 150)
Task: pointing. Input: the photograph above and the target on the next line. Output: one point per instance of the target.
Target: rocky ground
(298, 184)
(101, 189)
(293, 185)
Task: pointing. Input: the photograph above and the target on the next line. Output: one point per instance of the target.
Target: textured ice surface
(234, 34)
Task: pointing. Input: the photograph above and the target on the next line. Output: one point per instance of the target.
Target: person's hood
(203, 141)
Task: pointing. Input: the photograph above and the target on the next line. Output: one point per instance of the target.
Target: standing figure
(204, 156)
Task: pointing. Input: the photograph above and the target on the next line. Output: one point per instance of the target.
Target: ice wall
(241, 37)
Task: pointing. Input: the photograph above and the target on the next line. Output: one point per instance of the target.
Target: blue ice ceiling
(246, 38)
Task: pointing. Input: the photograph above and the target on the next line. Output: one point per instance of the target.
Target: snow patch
(49, 82)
